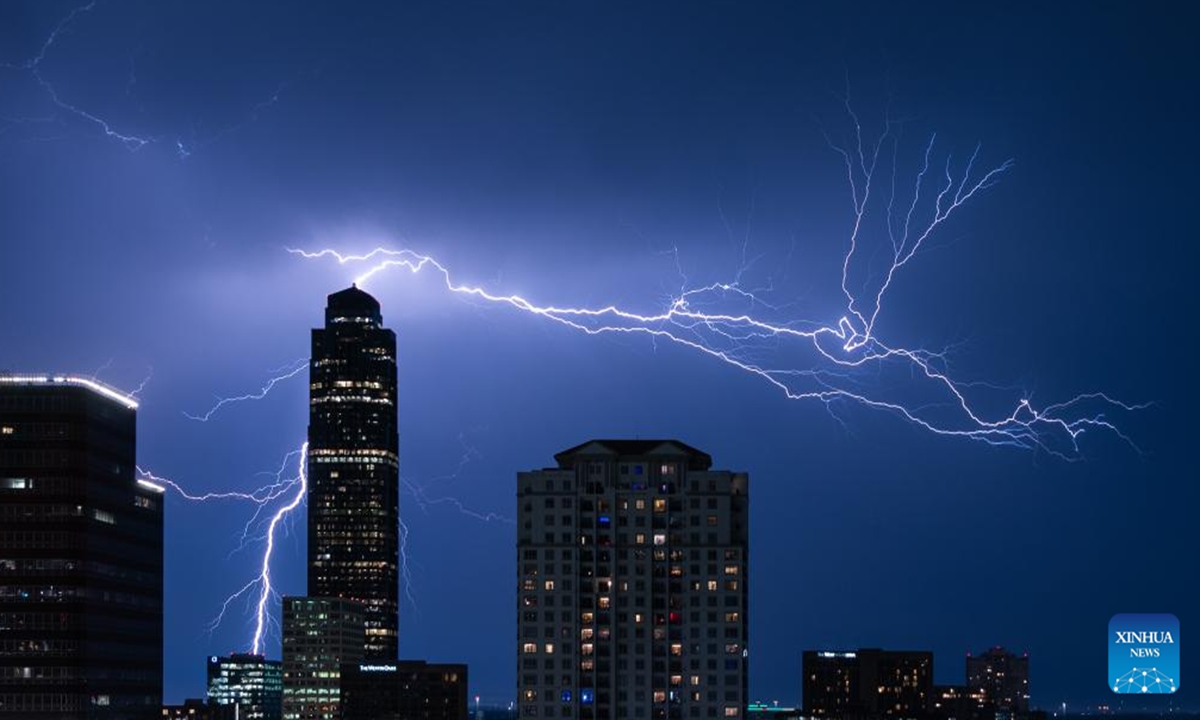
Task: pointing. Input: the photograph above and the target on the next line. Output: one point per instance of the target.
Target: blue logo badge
(1143, 654)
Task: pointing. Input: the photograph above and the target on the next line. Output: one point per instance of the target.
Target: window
(529, 648)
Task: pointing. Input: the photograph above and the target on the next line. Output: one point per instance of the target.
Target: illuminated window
(7, 430)
(660, 505)
(549, 584)
(731, 617)
(667, 469)
(640, 504)
(640, 539)
(530, 648)
(549, 648)
(604, 602)
(660, 539)
(712, 585)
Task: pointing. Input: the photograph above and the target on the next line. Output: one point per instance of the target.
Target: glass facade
(251, 682)
(319, 634)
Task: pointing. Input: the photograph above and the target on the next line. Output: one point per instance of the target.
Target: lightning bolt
(264, 578)
(261, 497)
(843, 356)
(32, 66)
(283, 373)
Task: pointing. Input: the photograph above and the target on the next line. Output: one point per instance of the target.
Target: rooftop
(353, 305)
(697, 459)
(101, 389)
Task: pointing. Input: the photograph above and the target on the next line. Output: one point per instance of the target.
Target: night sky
(565, 152)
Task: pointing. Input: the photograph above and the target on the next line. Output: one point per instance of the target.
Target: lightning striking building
(353, 466)
(81, 555)
(632, 573)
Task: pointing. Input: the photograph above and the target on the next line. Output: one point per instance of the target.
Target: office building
(353, 466)
(81, 555)
(319, 634)
(632, 580)
(251, 682)
(405, 690)
(1001, 679)
(867, 684)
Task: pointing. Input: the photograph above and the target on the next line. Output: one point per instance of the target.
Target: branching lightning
(295, 488)
(846, 360)
(283, 373)
(33, 67)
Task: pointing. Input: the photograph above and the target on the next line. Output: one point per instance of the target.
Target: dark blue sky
(560, 151)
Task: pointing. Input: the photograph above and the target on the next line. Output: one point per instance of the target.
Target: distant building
(763, 711)
(867, 684)
(196, 709)
(353, 466)
(1002, 679)
(81, 555)
(958, 702)
(404, 690)
(251, 682)
(632, 575)
(319, 635)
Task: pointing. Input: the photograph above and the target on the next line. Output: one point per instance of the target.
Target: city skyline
(578, 158)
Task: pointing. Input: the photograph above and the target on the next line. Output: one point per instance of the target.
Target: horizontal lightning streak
(837, 349)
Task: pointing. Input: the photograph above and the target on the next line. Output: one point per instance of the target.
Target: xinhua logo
(1143, 654)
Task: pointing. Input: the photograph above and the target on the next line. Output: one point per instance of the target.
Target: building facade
(1000, 680)
(353, 466)
(405, 690)
(81, 555)
(868, 684)
(319, 635)
(632, 575)
(251, 682)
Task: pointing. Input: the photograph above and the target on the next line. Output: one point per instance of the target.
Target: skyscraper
(81, 555)
(319, 634)
(353, 466)
(631, 576)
